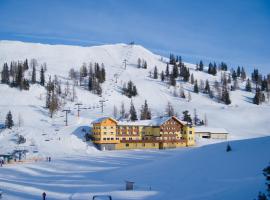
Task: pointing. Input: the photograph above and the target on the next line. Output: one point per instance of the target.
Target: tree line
(15, 74)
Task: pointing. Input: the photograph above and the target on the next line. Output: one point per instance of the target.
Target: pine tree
(145, 112)
(207, 87)
(192, 79)
(19, 77)
(139, 63)
(248, 86)
(155, 72)
(201, 66)
(25, 65)
(186, 117)
(196, 88)
(9, 121)
(228, 149)
(175, 71)
(33, 78)
(172, 80)
(226, 96)
(257, 97)
(167, 72)
(42, 76)
(238, 71)
(162, 76)
(210, 68)
(5, 74)
(243, 74)
(132, 112)
(266, 173)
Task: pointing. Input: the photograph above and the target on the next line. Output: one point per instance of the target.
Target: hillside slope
(241, 118)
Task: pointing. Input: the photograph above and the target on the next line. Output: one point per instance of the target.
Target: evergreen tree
(248, 86)
(175, 71)
(130, 90)
(172, 80)
(132, 112)
(262, 196)
(9, 121)
(42, 76)
(210, 68)
(266, 173)
(228, 148)
(207, 87)
(196, 88)
(33, 78)
(243, 74)
(259, 97)
(238, 71)
(214, 70)
(223, 66)
(90, 83)
(25, 65)
(162, 76)
(167, 72)
(19, 77)
(155, 72)
(103, 75)
(139, 63)
(5, 74)
(186, 117)
(192, 79)
(234, 75)
(201, 66)
(145, 112)
(225, 96)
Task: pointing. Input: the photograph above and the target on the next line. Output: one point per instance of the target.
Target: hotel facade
(157, 133)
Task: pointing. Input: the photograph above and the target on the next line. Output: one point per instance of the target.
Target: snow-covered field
(207, 172)
(79, 170)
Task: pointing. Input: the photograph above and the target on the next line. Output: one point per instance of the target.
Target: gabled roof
(101, 119)
(204, 129)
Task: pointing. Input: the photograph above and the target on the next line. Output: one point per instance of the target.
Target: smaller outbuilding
(211, 133)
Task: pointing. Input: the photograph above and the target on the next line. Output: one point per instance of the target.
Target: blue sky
(234, 31)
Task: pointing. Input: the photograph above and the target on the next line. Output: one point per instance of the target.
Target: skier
(44, 196)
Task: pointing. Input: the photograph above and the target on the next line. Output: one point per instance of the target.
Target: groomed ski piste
(79, 171)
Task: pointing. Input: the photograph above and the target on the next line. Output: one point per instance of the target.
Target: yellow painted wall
(137, 145)
(189, 134)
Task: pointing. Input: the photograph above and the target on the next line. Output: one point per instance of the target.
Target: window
(127, 145)
(117, 138)
(190, 132)
(108, 138)
(104, 138)
(153, 144)
(112, 139)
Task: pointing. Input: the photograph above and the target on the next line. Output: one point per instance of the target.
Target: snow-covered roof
(99, 120)
(152, 122)
(204, 129)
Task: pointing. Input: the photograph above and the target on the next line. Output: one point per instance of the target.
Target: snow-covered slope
(242, 119)
(207, 172)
